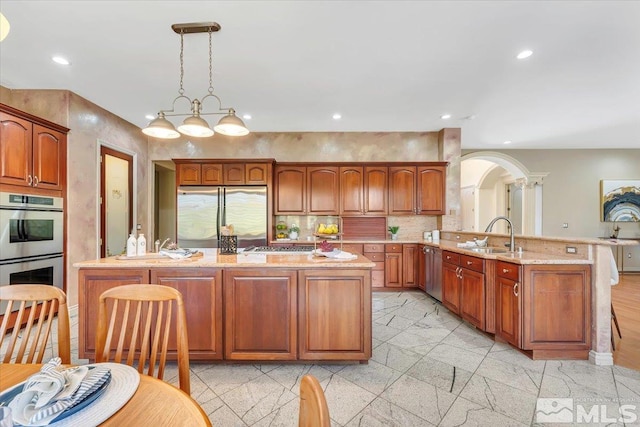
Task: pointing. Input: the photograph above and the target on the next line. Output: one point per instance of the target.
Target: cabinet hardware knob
(515, 289)
(505, 270)
(448, 257)
(29, 180)
(469, 262)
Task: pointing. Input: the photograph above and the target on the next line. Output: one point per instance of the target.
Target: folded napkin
(177, 253)
(51, 391)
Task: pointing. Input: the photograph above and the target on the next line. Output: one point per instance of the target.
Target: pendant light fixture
(195, 125)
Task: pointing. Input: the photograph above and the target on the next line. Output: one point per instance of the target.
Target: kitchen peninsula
(251, 307)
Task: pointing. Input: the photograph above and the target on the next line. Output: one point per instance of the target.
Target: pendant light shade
(231, 125)
(161, 128)
(194, 125)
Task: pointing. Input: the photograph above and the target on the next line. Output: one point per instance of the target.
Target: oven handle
(22, 225)
(31, 258)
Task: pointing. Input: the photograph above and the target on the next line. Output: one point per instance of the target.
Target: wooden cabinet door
(343, 331)
(212, 174)
(92, 284)
(188, 174)
(15, 150)
(376, 190)
(260, 314)
(257, 174)
(49, 158)
(431, 189)
(556, 307)
(351, 190)
(410, 256)
(402, 190)
(451, 287)
(201, 290)
(291, 184)
(323, 186)
(393, 270)
(233, 173)
(508, 310)
(472, 299)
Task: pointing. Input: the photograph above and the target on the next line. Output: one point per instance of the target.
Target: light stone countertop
(212, 259)
(526, 257)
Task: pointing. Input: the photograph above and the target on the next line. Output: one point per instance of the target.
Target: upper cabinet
(363, 190)
(357, 189)
(32, 151)
(301, 190)
(417, 190)
(217, 172)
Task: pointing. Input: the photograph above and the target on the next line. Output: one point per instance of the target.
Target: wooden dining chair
(28, 317)
(314, 411)
(140, 318)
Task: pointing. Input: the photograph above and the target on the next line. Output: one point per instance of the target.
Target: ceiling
(383, 65)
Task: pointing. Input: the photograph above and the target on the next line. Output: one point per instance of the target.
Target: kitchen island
(249, 307)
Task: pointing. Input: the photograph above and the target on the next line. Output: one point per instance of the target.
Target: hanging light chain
(181, 90)
(210, 62)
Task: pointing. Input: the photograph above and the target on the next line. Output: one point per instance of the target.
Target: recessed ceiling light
(445, 116)
(337, 116)
(507, 142)
(524, 54)
(246, 116)
(149, 117)
(60, 60)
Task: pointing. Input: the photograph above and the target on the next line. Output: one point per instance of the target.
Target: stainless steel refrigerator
(202, 211)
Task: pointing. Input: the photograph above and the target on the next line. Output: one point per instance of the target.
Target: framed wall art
(620, 200)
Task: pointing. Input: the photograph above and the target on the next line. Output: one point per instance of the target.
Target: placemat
(123, 385)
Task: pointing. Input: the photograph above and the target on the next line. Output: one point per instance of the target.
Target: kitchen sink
(490, 250)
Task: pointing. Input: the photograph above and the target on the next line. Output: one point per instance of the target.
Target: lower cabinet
(410, 267)
(463, 290)
(344, 331)
(375, 253)
(260, 314)
(201, 291)
(251, 314)
(545, 309)
(393, 265)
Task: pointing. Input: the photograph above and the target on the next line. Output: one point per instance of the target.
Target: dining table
(154, 403)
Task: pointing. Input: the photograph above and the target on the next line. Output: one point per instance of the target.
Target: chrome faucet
(159, 245)
(512, 240)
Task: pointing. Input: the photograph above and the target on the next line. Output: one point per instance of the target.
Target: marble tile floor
(428, 368)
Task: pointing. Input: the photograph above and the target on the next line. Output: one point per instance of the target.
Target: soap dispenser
(132, 245)
(142, 245)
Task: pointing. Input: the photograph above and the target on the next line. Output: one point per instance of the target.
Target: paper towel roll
(436, 236)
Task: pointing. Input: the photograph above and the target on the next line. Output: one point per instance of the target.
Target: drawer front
(451, 257)
(395, 248)
(379, 266)
(472, 263)
(353, 248)
(375, 257)
(373, 247)
(508, 270)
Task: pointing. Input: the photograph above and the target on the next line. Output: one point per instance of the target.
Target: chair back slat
(152, 323)
(31, 332)
(125, 320)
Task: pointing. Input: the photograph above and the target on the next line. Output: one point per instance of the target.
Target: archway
(530, 183)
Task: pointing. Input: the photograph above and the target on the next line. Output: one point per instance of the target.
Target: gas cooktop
(280, 249)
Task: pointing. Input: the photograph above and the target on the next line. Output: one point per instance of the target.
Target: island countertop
(211, 258)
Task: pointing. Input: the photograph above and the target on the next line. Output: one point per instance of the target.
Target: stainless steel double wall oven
(31, 239)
